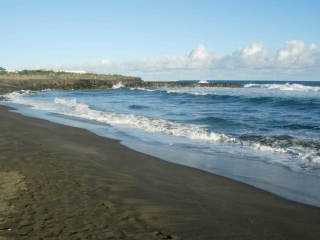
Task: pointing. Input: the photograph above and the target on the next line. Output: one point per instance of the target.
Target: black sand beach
(59, 182)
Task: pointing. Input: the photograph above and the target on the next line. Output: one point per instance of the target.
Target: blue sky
(124, 36)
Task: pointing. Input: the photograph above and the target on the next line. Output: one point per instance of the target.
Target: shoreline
(71, 183)
(46, 79)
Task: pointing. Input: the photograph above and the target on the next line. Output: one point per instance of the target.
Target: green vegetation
(42, 79)
(36, 72)
(2, 70)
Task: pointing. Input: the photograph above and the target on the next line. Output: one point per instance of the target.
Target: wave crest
(118, 85)
(284, 87)
(14, 96)
(147, 124)
(305, 152)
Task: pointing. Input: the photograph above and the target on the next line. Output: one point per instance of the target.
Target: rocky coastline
(39, 80)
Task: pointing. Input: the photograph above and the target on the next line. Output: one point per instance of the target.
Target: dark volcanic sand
(59, 182)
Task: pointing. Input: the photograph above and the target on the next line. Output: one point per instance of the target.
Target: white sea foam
(203, 82)
(144, 89)
(262, 147)
(139, 122)
(198, 91)
(285, 87)
(118, 85)
(15, 96)
(307, 157)
(180, 90)
(71, 107)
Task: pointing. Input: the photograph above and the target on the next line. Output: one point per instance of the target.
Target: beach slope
(59, 182)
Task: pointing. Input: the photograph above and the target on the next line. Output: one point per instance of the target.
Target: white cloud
(253, 51)
(200, 54)
(297, 54)
(252, 62)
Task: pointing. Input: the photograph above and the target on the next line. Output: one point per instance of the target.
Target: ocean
(265, 133)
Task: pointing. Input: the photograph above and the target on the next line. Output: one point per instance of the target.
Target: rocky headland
(43, 79)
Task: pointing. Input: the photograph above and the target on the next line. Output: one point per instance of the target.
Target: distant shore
(43, 79)
(60, 182)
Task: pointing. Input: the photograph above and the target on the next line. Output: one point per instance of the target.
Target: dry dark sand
(59, 182)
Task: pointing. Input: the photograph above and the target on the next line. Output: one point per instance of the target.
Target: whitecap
(118, 85)
(284, 87)
(305, 156)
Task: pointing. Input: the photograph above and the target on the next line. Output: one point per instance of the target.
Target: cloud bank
(295, 61)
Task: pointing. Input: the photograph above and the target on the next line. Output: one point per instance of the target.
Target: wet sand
(60, 182)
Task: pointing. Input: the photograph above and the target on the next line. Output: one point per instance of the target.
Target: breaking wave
(72, 107)
(303, 151)
(306, 152)
(118, 85)
(17, 95)
(143, 89)
(203, 81)
(196, 91)
(284, 87)
(204, 91)
(147, 124)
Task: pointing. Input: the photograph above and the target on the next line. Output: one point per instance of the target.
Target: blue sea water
(266, 134)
